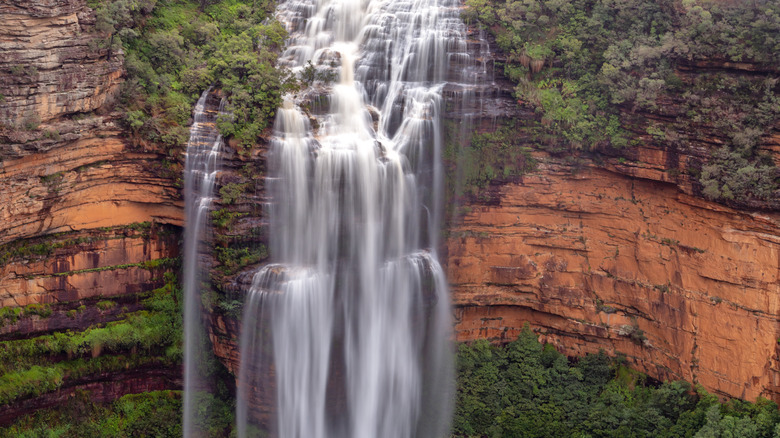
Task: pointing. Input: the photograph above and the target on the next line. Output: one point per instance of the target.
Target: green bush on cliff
(151, 414)
(39, 379)
(174, 50)
(253, 84)
(592, 68)
(527, 389)
(234, 258)
(155, 333)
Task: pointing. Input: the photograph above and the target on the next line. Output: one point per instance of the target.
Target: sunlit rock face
(685, 288)
(50, 65)
(66, 164)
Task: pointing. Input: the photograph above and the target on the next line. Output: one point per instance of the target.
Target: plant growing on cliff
(594, 68)
(174, 50)
(118, 18)
(156, 413)
(248, 76)
(526, 389)
(731, 176)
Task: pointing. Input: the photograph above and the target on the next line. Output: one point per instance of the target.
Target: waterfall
(202, 165)
(347, 333)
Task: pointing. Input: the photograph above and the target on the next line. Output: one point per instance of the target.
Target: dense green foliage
(527, 389)
(523, 389)
(31, 367)
(176, 49)
(592, 68)
(146, 330)
(152, 414)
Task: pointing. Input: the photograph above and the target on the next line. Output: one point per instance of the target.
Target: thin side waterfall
(201, 168)
(347, 333)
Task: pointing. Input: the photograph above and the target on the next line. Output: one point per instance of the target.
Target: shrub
(105, 305)
(530, 390)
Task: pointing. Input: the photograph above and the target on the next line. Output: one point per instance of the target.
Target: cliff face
(63, 158)
(52, 65)
(87, 222)
(616, 249)
(597, 259)
(64, 162)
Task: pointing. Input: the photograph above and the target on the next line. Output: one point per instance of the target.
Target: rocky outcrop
(240, 248)
(65, 168)
(594, 259)
(52, 64)
(87, 179)
(87, 265)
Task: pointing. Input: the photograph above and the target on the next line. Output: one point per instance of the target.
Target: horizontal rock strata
(685, 288)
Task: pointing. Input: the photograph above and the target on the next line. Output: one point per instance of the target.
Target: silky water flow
(200, 172)
(348, 332)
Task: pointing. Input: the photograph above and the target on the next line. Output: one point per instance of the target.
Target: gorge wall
(685, 288)
(89, 221)
(616, 251)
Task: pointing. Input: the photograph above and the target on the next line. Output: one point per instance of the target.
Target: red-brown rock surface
(76, 171)
(72, 194)
(51, 65)
(111, 264)
(687, 289)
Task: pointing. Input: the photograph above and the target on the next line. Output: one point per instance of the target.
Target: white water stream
(347, 334)
(201, 168)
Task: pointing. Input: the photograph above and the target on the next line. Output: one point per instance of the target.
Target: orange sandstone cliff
(65, 163)
(595, 259)
(84, 216)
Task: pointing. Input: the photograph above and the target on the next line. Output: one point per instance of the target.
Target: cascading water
(347, 333)
(201, 168)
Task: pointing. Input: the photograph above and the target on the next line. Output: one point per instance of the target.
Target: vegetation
(31, 367)
(594, 69)
(523, 389)
(9, 315)
(156, 414)
(224, 218)
(176, 49)
(527, 389)
(38, 380)
(151, 414)
(234, 258)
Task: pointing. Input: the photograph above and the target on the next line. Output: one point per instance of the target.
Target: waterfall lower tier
(347, 334)
(329, 361)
